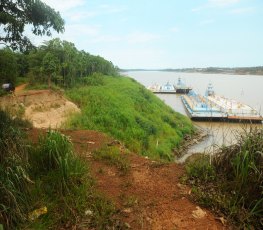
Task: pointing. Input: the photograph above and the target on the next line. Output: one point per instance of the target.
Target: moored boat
(236, 111)
(166, 89)
(181, 88)
(198, 108)
(215, 107)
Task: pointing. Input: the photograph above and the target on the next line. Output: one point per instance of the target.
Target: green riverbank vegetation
(124, 109)
(44, 185)
(231, 182)
(55, 62)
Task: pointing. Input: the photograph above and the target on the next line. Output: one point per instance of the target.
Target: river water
(247, 89)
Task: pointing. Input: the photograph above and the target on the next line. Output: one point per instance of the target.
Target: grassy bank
(231, 182)
(45, 185)
(124, 109)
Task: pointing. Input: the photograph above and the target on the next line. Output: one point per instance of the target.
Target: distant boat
(166, 89)
(215, 107)
(181, 88)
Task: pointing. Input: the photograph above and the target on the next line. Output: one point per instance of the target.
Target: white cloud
(242, 10)
(108, 9)
(106, 39)
(215, 4)
(222, 3)
(141, 37)
(174, 29)
(206, 22)
(64, 5)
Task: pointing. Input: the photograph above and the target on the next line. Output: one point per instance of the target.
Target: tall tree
(50, 66)
(15, 14)
(8, 66)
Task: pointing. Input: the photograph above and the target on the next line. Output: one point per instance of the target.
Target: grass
(47, 175)
(113, 156)
(124, 109)
(232, 183)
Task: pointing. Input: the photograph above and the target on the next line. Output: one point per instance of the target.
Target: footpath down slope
(149, 196)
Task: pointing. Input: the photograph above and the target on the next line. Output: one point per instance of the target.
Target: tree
(8, 66)
(50, 66)
(15, 14)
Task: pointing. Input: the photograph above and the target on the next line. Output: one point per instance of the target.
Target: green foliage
(14, 183)
(96, 79)
(237, 185)
(201, 169)
(8, 66)
(127, 111)
(47, 174)
(112, 155)
(16, 14)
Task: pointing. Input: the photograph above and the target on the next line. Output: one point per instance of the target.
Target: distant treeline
(240, 70)
(55, 61)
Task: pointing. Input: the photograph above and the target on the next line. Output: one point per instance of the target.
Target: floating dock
(198, 108)
(215, 107)
(179, 88)
(165, 89)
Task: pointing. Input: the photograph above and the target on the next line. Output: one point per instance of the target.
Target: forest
(54, 62)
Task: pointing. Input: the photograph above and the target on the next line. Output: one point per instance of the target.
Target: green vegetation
(16, 14)
(46, 176)
(113, 156)
(233, 183)
(56, 62)
(124, 109)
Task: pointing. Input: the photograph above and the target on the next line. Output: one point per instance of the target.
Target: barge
(215, 107)
(166, 89)
(198, 108)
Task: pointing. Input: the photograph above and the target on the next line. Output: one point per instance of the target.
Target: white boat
(167, 88)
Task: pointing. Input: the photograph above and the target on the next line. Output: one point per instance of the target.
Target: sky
(157, 34)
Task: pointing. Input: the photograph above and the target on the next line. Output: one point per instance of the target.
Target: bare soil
(149, 196)
(44, 108)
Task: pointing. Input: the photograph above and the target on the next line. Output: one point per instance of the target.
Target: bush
(237, 185)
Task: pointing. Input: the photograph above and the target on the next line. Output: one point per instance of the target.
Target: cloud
(206, 22)
(174, 29)
(64, 5)
(215, 4)
(107, 39)
(243, 10)
(108, 9)
(141, 37)
(222, 3)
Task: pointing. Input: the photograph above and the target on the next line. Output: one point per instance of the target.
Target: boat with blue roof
(215, 107)
(181, 88)
(168, 88)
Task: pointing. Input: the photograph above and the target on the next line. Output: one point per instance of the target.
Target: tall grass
(236, 188)
(46, 174)
(14, 183)
(127, 111)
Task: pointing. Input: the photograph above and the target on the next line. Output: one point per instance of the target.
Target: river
(247, 89)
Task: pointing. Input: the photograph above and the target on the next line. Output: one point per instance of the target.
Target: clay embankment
(44, 108)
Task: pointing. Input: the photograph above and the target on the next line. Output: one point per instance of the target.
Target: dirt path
(20, 88)
(150, 196)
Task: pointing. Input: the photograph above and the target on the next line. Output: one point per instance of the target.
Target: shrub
(237, 185)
